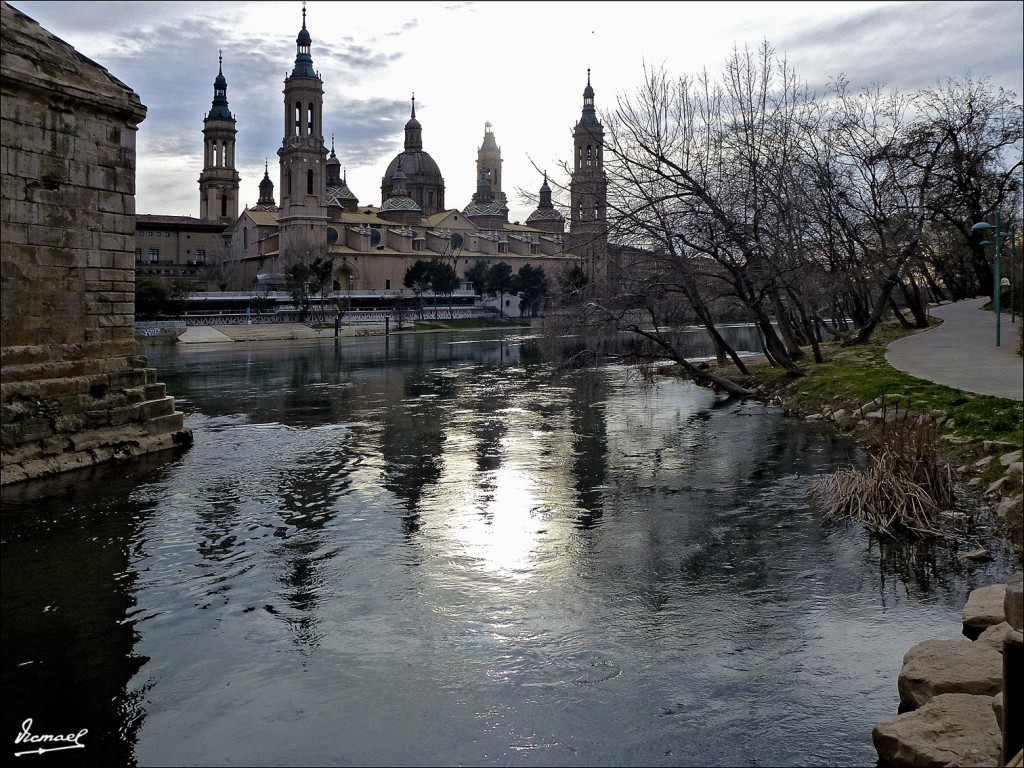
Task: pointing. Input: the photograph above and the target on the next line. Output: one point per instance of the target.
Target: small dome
(545, 215)
(336, 196)
(401, 203)
(496, 208)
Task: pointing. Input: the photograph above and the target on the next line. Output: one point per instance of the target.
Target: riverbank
(856, 388)
(178, 332)
(953, 692)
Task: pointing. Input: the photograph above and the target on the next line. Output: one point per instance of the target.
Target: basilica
(371, 245)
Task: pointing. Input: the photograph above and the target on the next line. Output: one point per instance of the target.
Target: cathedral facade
(373, 245)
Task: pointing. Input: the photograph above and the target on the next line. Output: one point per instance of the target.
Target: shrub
(905, 489)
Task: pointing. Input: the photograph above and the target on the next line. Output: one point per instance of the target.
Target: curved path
(962, 352)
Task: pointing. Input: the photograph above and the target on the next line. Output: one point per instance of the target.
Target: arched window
(223, 205)
(309, 120)
(298, 118)
(224, 155)
(245, 237)
(309, 182)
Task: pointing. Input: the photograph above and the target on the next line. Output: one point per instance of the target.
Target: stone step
(155, 391)
(150, 409)
(171, 422)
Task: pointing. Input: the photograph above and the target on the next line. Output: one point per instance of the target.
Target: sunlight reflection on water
(405, 552)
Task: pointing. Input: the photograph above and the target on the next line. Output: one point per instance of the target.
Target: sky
(522, 66)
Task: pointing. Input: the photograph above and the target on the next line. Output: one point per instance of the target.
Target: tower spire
(303, 59)
(413, 131)
(219, 108)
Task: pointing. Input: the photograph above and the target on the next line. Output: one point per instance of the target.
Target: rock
(995, 446)
(1013, 600)
(984, 461)
(999, 487)
(952, 729)
(1013, 457)
(1011, 508)
(934, 667)
(994, 636)
(839, 416)
(977, 556)
(984, 608)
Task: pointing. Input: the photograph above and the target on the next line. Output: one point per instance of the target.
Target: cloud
(910, 45)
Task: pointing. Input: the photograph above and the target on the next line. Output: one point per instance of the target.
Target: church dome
(422, 176)
(416, 165)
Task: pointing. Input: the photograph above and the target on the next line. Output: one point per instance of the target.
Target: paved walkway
(962, 352)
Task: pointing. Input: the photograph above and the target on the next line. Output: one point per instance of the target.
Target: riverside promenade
(962, 352)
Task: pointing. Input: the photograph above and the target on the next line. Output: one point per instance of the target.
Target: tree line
(499, 280)
(746, 195)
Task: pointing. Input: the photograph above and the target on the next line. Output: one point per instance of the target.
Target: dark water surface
(446, 549)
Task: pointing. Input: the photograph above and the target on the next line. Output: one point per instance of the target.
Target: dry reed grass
(905, 489)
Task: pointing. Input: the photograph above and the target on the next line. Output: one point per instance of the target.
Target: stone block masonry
(73, 392)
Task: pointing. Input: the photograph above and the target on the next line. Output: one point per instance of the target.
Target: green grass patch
(850, 376)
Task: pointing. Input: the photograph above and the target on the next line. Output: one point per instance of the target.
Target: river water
(453, 549)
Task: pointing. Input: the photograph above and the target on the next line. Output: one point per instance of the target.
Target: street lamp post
(996, 287)
(1013, 272)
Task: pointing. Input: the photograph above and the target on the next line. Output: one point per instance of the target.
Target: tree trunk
(883, 302)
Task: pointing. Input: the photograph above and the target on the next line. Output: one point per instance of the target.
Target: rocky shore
(958, 698)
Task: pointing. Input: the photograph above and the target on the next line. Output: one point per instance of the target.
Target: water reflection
(68, 629)
(455, 548)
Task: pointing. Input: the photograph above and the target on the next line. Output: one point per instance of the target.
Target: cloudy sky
(520, 65)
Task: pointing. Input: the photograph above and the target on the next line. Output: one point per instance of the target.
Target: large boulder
(995, 636)
(953, 729)
(984, 609)
(934, 667)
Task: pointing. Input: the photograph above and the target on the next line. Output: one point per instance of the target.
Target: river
(455, 549)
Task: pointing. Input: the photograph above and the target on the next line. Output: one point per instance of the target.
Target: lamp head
(985, 242)
(981, 225)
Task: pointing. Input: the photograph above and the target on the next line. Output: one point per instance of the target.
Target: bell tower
(588, 193)
(303, 156)
(219, 181)
(488, 159)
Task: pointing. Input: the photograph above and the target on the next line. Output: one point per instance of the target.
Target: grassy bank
(852, 376)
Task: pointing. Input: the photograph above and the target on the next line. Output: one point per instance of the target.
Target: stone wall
(72, 391)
